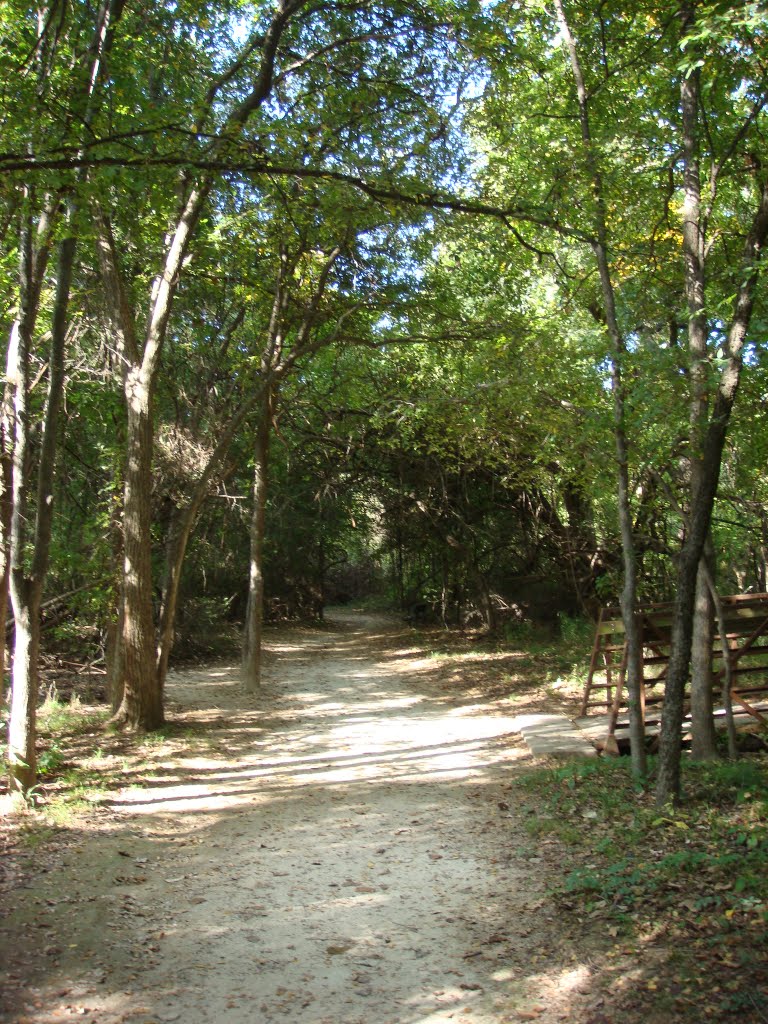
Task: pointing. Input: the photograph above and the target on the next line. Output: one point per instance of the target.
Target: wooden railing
(746, 627)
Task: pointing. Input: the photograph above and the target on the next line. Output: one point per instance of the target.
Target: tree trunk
(628, 598)
(250, 668)
(141, 707)
(29, 555)
(704, 746)
(113, 655)
(707, 432)
(727, 690)
(6, 486)
(22, 727)
(321, 569)
(180, 530)
(668, 786)
(702, 502)
(484, 594)
(22, 765)
(693, 251)
(113, 645)
(6, 491)
(142, 702)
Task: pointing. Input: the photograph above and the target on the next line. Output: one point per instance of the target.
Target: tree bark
(702, 502)
(628, 599)
(250, 666)
(704, 746)
(29, 555)
(141, 706)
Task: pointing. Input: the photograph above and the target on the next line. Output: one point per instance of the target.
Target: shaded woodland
(450, 308)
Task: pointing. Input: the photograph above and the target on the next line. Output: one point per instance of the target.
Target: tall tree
(601, 246)
(706, 33)
(275, 91)
(31, 522)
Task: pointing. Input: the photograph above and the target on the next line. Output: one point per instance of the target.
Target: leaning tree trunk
(702, 502)
(707, 431)
(704, 746)
(250, 666)
(180, 530)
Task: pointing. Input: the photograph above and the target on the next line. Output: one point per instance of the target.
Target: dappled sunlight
(354, 727)
(353, 755)
(335, 849)
(381, 950)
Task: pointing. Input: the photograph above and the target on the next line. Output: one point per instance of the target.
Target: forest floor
(347, 847)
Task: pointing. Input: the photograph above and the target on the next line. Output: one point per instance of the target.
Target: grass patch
(35, 834)
(76, 791)
(696, 878)
(56, 717)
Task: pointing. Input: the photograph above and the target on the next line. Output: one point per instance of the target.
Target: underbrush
(82, 760)
(56, 717)
(694, 879)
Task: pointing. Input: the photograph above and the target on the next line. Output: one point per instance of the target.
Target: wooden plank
(750, 689)
(739, 599)
(717, 648)
(747, 621)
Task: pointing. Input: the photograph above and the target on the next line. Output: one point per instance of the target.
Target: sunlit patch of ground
(345, 847)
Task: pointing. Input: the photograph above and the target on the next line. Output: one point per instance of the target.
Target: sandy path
(341, 853)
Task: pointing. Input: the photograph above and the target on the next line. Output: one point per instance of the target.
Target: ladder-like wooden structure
(746, 624)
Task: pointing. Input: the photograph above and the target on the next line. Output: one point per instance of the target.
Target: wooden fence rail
(746, 625)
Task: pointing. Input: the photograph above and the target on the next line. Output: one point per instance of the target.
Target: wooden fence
(746, 625)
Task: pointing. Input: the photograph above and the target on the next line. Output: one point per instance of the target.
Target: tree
(30, 524)
(579, 202)
(282, 62)
(705, 32)
(600, 246)
(608, 156)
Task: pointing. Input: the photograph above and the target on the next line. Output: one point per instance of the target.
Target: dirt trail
(342, 851)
